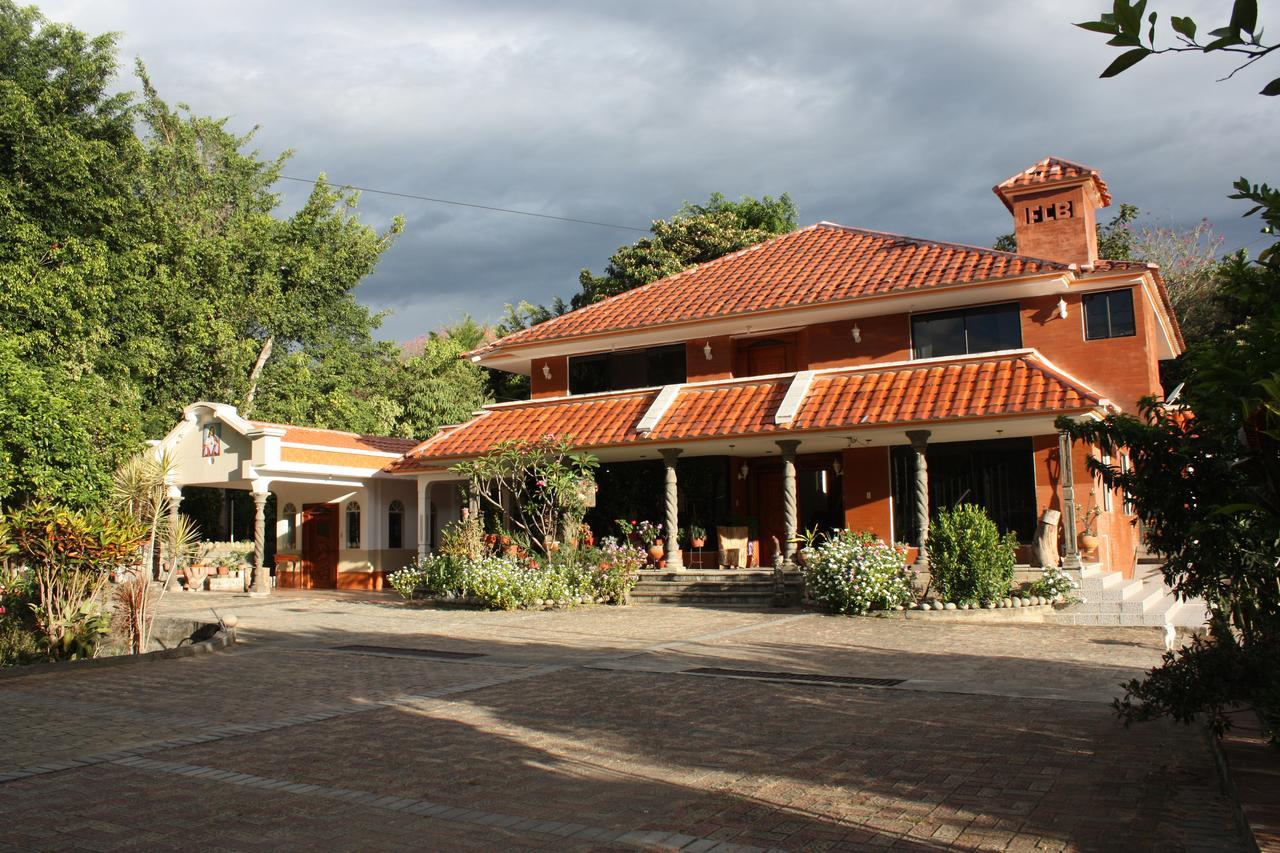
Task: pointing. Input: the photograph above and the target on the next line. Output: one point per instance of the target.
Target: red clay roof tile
(818, 264)
(338, 439)
(1048, 171)
(937, 390)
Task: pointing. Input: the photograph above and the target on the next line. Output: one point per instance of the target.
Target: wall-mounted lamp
(1062, 308)
(857, 334)
(706, 350)
(546, 371)
(838, 468)
(743, 471)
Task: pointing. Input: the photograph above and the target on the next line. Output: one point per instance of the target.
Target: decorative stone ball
(1017, 602)
(924, 605)
(989, 605)
(1040, 600)
(230, 620)
(950, 605)
(538, 602)
(899, 608)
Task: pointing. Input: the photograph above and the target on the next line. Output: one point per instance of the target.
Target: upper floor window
(353, 525)
(395, 525)
(1109, 315)
(618, 371)
(966, 330)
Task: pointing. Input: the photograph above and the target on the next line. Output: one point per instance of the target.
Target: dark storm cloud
(892, 116)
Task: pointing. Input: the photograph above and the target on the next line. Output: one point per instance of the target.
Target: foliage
(503, 582)
(1190, 264)
(1053, 582)
(969, 561)
(1205, 482)
(644, 531)
(853, 572)
(696, 234)
(1242, 35)
(539, 486)
(694, 531)
(19, 639)
(463, 538)
(70, 555)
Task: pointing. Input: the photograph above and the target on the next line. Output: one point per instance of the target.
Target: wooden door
(767, 359)
(319, 546)
(769, 514)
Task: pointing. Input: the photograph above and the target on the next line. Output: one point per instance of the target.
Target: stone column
(174, 493)
(424, 517)
(1067, 483)
(790, 508)
(672, 503)
(919, 442)
(261, 576)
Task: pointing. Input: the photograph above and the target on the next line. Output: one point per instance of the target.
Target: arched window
(353, 525)
(395, 525)
(289, 515)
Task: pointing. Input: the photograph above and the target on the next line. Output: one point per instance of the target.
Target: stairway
(734, 588)
(1107, 598)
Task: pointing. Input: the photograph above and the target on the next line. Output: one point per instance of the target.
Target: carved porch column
(790, 508)
(261, 576)
(919, 442)
(1067, 483)
(672, 502)
(424, 516)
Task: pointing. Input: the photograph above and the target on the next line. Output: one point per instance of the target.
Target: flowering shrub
(1053, 583)
(508, 582)
(854, 572)
(969, 561)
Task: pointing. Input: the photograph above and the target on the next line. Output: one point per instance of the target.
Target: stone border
(1024, 613)
(224, 638)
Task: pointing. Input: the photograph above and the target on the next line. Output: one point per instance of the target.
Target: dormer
(1054, 205)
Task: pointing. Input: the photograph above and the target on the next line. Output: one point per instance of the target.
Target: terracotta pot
(1089, 542)
(698, 543)
(656, 552)
(223, 571)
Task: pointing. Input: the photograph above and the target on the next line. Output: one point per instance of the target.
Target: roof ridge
(952, 243)
(1044, 364)
(673, 277)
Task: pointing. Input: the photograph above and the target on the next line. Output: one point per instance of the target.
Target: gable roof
(819, 264)
(1051, 170)
(1019, 382)
(340, 440)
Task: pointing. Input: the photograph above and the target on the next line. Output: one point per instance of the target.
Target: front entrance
(319, 546)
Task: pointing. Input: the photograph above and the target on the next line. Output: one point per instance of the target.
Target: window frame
(352, 509)
(606, 361)
(964, 313)
(394, 509)
(1088, 298)
(290, 517)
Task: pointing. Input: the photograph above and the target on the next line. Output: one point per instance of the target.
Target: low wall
(170, 638)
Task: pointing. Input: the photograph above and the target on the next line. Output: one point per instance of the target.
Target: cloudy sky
(896, 116)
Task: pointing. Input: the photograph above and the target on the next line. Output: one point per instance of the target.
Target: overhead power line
(490, 207)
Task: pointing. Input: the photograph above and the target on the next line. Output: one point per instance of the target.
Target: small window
(967, 331)
(353, 525)
(618, 371)
(1106, 490)
(395, 525)
(290, 513)
(1109, 315)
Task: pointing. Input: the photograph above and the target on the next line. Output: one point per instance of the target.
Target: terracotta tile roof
(818, 264)
(338, 439)
(1048, 171)
(1014, 383)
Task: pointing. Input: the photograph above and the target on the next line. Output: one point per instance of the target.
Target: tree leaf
(1183, 26)
(1129, 18)
(1099, 27)
(1126, 60)
(1125, 40)
(1244, 15)
(1272, 88)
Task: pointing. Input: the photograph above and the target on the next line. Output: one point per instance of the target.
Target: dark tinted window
(968, 330)
(618, 371)
(1109, 314)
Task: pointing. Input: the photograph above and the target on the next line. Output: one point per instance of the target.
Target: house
(339, 519)
(844, 377)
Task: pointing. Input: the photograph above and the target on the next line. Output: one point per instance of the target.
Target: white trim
(658, 408)
(794, 398)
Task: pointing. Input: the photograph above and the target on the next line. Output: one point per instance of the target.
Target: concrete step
(705, 587)
(704, 599)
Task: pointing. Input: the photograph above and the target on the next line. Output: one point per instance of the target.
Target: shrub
(969, 561)
(854, 572)
(1053, 583)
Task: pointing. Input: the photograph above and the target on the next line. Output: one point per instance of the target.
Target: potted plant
(1088, 521)
(696, 536)
(808, 540)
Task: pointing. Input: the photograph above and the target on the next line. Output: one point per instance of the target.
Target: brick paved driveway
(584, 730)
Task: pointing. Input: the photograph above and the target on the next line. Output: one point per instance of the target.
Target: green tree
(1241, 35)
(697, 233)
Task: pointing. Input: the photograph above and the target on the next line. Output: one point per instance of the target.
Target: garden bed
(171, 638)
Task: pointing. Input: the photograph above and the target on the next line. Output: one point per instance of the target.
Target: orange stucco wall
(557, 385)
(867, 496)
(701, 369)
(885, 338)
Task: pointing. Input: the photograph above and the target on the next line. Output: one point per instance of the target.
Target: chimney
(1054, 205)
